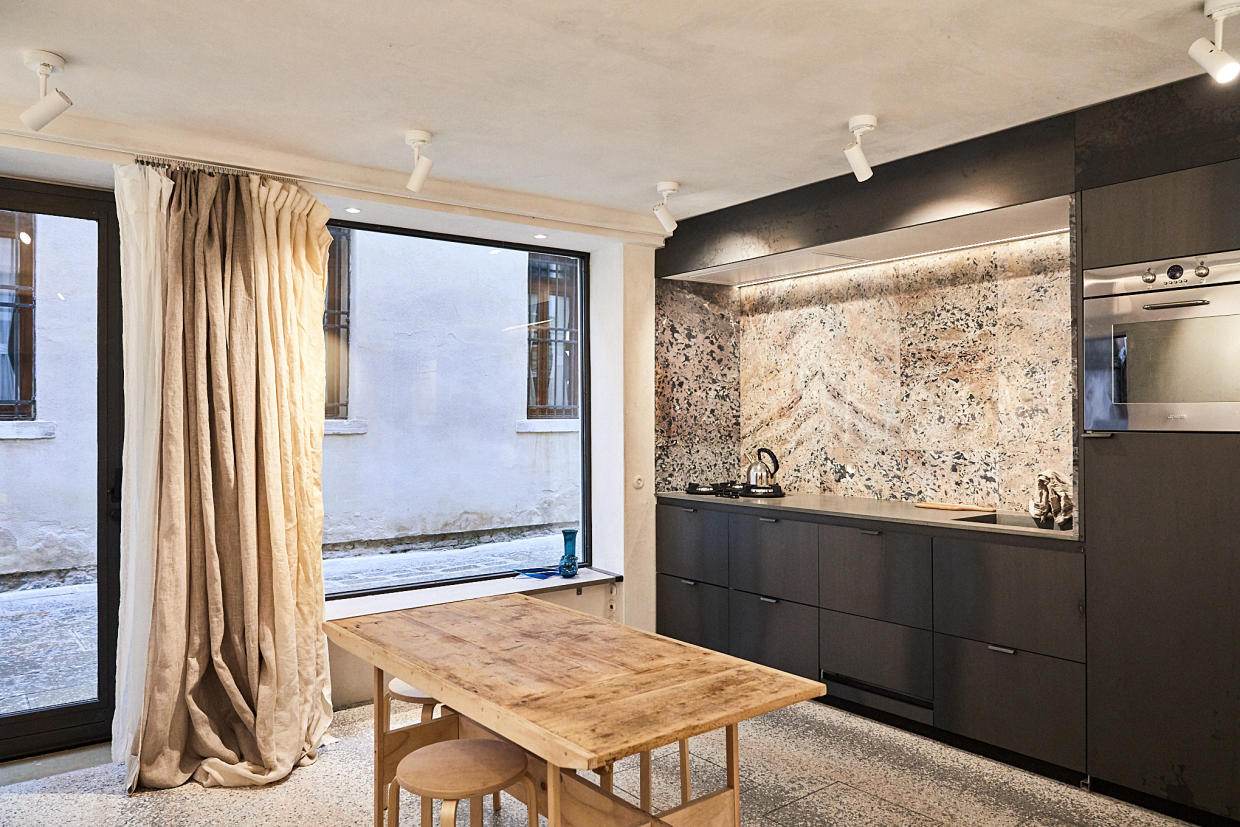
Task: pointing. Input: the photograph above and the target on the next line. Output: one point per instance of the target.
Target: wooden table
(575, 691)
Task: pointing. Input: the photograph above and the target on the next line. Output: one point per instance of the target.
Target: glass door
(60, 434)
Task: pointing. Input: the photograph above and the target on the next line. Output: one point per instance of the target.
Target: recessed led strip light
(835, 268)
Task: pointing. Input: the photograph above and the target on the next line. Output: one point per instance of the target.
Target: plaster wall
(47, 484)
(438, 360)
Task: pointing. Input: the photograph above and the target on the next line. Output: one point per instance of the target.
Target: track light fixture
(50, 106)
(1208, 53)
(418, 138)
(858, 125)
(661, 212)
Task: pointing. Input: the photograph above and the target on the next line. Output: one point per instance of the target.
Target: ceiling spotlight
(1208, 53)
(540, 235)
(418, 138)
(661, 212)
(352, 210)
(858, 125)
(50, 106)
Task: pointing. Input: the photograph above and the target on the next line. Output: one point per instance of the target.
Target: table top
(574, 689)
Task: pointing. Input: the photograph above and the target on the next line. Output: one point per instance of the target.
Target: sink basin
(1018, 520)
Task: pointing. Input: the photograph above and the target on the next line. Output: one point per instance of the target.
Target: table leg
(686, 788)
(553, 795)
(734, 770)
(381, 729)
(643, 780)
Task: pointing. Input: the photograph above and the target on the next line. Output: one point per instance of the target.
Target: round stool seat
(408, 692)
(461, 768)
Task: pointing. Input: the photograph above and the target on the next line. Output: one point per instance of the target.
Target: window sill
(434, 595)
(344, 427)
(548, 426)
(28, 429)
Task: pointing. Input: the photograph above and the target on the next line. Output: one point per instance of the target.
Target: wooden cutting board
(956, 507)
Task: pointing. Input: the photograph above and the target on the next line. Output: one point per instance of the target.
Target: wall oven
(1162, 345)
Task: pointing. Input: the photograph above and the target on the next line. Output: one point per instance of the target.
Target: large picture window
(17, 250)
(455, 350)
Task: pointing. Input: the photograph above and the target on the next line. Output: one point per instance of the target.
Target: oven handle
(1172, 305)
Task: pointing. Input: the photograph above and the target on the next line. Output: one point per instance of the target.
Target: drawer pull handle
(688, 582)
(873, 532)
(768, 600)
(688, 510)
(767, 520)
(1001, 649)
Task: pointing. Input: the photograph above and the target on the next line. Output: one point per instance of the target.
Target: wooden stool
(462, 768)
(409, 693)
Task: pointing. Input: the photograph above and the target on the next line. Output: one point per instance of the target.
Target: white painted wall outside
(438, 355)
(48, 485)
(437, 378)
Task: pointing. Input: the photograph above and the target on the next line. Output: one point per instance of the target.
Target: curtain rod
(172, 162)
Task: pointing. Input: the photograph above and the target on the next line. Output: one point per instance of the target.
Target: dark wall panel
(1186, 124)
(1015, 166)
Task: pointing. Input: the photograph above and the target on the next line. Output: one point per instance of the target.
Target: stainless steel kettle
(759, 473)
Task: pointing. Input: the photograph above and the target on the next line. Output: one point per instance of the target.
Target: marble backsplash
(946, 377)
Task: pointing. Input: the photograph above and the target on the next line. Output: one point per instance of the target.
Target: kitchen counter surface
(862, 508)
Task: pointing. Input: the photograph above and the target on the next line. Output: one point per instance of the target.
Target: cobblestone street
(48, 635)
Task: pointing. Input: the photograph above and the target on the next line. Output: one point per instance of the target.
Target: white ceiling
(594, 101)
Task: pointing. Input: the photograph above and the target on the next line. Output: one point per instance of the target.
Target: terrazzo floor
(48, 636)
(806, 765)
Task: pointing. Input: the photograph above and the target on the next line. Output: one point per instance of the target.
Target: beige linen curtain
(236, 689)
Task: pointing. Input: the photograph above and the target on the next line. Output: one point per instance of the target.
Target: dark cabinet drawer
(1026, 598)
(692, 543)
(694, 612)
(774, 557)
(880, 574)
(776, 633)
(885, 655)
(1018, 700)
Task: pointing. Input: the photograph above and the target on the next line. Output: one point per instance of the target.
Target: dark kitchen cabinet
(778, 633)
(1027, 598)
(1024, 702)
(876, 573)
(1162, 514)
(691, 611)
(775, 557)
(1194, 211)
(692, 543)
(872, 654)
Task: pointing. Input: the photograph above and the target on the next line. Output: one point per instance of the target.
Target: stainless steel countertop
(863, 508)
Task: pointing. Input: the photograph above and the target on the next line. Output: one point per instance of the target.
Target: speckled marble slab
(946, 377)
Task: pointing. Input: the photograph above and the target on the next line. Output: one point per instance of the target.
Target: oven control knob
(1148, 276)
(1174, 272)
(1202, 271)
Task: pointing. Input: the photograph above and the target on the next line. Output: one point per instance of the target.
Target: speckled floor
(806, 765)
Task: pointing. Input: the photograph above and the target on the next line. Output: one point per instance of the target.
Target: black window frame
(40, 731)
(584, 538)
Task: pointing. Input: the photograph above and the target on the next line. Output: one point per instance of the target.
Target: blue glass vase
(568, 563)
